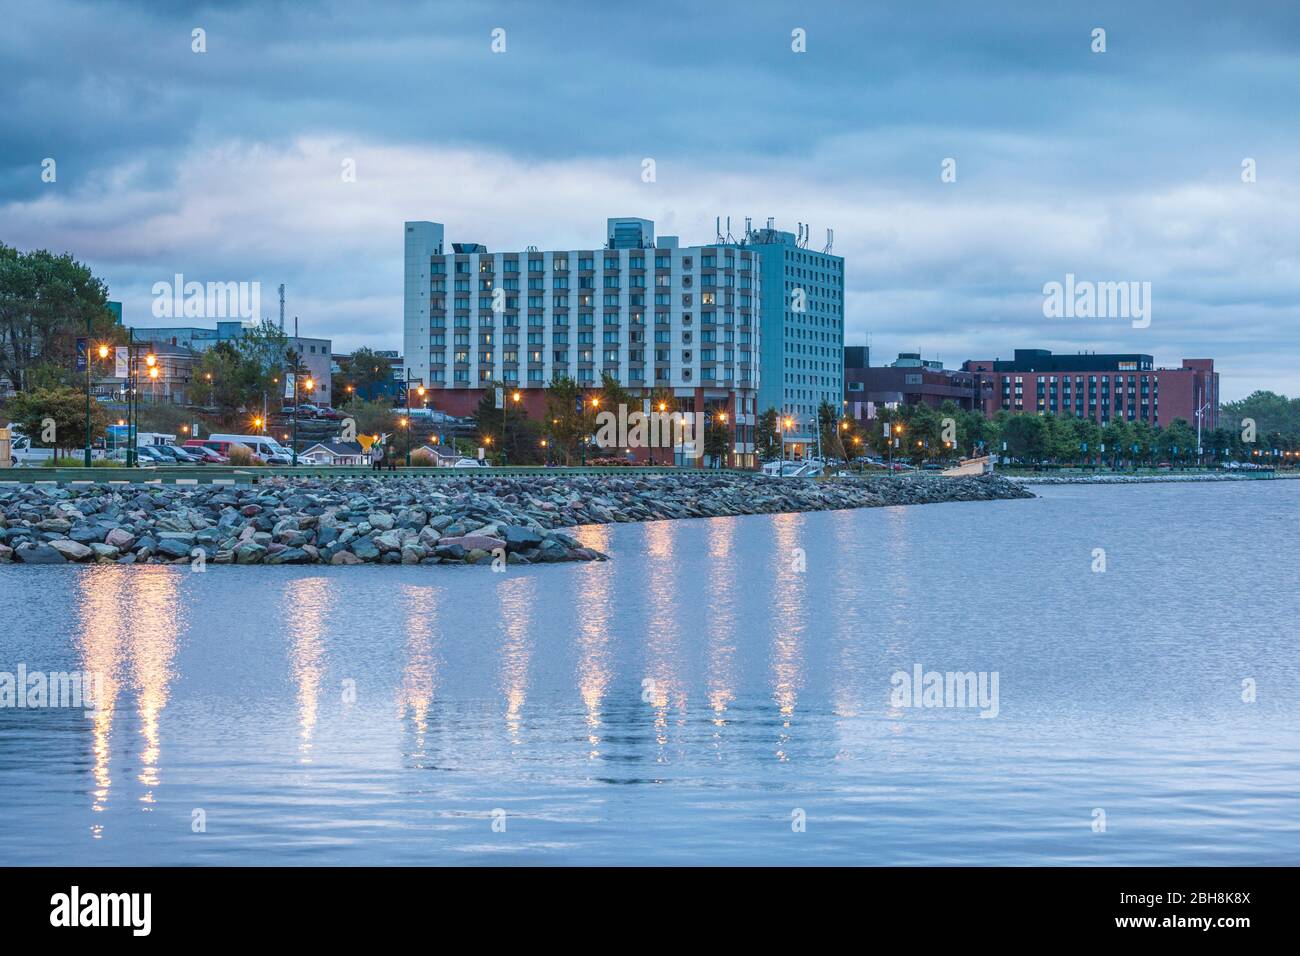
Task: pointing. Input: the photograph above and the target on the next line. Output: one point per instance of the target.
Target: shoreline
(413, 520)
(1120, 479)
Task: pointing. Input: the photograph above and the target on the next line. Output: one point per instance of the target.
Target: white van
(268, 449)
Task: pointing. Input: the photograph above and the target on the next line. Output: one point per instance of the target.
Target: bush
(241, 455)
(80, 463)
(423, 459)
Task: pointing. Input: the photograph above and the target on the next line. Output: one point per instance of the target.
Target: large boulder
(72, 550)
(249, 552)
(38, 554)
(520, 538)
(473, 542)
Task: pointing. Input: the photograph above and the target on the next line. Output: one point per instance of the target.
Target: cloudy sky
(1125, 165)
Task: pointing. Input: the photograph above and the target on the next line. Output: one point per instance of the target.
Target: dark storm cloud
(1124, 164)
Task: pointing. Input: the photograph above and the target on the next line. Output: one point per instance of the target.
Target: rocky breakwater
(409, 520)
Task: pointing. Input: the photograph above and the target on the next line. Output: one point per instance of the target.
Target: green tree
(1025, 437)
(1117, 436)
(30, 411)
(766, 439)
(46, 301)
(519, 441)
(225, 382)
(565, 417)
(1177, 441)
(366, 371)
(373, 418)
(717, 440)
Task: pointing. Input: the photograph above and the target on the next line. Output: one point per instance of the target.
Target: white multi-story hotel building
(658, 316)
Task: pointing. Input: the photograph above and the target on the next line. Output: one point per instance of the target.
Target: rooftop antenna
(281, 306)
(730, 238)
(749, 226)
(717, 229)
(771, 221)
(830, 241)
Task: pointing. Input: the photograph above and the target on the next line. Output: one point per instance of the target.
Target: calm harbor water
(690, 700)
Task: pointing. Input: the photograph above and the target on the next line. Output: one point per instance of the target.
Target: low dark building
(910, 380)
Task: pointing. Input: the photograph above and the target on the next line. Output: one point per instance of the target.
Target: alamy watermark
(179, 299)
(35, 689)
(922, 688)
(623, 429)
(1084, 299)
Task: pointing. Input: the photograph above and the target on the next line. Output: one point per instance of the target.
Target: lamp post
(1200, 413)
(309, 385)
(595, 403)
(56, 450)
(663, 407)
(722, 417)
(127, 387)
(515, 397)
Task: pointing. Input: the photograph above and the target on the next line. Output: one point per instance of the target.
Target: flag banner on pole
(121, 362)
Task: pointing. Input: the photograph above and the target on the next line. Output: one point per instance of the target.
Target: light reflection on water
(676, 703)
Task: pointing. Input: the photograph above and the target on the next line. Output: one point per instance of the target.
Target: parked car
(177, 454)
(209, 455)
(153, 455)
(468, 463)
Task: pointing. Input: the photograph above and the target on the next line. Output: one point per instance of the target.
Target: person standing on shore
(377, 456)
(391, 454)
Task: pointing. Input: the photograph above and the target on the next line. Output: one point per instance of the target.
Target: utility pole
(88, 332)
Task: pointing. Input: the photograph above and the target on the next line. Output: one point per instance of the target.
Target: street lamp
(505, 410)
(103, 354)
(309, 384)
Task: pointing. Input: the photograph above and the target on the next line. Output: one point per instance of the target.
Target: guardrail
(226, 474)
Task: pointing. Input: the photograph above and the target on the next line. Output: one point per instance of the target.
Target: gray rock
(38, 554)
(72, 550)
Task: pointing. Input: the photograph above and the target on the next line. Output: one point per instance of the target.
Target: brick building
(1101, 387)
